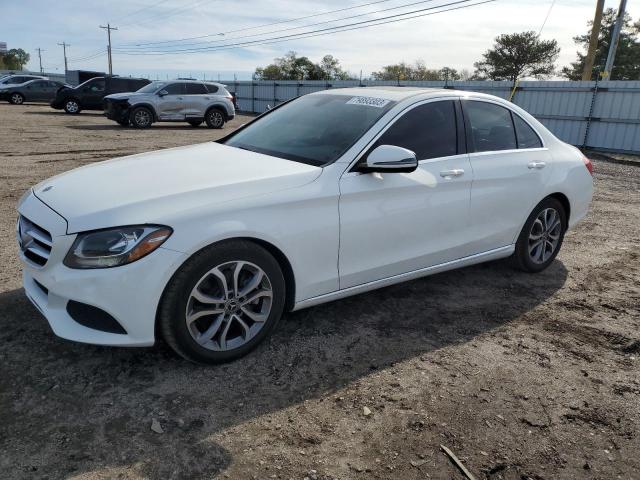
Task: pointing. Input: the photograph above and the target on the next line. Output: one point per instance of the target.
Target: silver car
(188, 101)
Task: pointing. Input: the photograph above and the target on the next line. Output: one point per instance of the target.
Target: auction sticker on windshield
(369, 101)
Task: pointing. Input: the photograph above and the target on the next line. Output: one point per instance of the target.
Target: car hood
(125, 95)
(151, 187)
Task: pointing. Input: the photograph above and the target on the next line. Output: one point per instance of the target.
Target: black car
(31, 91)
(89, 95)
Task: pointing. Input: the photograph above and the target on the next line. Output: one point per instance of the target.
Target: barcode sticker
(368, 101)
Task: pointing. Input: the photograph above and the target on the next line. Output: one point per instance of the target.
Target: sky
(456, 38)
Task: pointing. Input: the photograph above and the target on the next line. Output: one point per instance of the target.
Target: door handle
(456, 172)
(537, 165)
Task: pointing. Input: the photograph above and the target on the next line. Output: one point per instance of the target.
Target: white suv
(188, 101)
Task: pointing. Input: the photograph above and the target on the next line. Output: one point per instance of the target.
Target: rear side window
(429, 130)
(212, 88)
(491, 127)
(174, 88)
(527, 138)
(196, 89)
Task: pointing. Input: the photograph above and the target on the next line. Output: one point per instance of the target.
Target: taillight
(588, 164)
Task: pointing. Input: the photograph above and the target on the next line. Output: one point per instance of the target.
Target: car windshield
(151, 87)
(314, 129)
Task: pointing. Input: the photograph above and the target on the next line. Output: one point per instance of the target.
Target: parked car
(31, 91)
(329, 195)
(175, 101)
(19, 79)
(90, 94)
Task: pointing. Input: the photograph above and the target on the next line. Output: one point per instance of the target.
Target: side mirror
(162, 93)
(389, 158)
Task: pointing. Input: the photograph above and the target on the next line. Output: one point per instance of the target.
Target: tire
(215, 118)
(141, 117)
(195, 123)
(72, 106)
(123, 123)
(229, 332)
(541, 237)
(16, 99)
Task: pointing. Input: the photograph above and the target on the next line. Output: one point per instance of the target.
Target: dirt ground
(522, 376)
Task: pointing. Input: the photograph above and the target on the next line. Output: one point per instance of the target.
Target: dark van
(89, 95)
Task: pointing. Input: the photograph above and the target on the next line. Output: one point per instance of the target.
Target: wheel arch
(218, 106)
(277, 253)
(145, 105)
(564, 200)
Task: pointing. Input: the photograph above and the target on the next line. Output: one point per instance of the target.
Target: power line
(139, 10)
(166, 14)
(259, 26)
(324, 31)
(547, 17)
(287, 29)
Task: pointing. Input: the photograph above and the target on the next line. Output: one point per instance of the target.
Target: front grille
(34, 241)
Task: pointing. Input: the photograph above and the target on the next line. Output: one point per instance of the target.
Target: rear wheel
(222, 302)
(215, 118)
(72, 106)
(195, 123)
(16, 98)
(141, 117)
(541, 237)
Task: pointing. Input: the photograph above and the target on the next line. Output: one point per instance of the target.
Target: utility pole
(587, 73)
(64, 46)
(40, 58)
(615, 37)
(108, 28)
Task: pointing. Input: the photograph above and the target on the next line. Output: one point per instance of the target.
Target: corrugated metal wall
(605, 115)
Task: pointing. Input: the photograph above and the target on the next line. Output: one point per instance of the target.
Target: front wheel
(16, 99)
(541, 237)
(141, 117)
(215, 118)
(72, 107)
(222, 302)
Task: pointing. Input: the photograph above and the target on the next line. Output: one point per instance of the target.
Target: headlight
(115, 246)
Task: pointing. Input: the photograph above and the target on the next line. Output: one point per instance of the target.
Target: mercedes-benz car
(188, 101)
(329, 195)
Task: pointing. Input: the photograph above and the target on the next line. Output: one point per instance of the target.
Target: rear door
(511, 167)
(171, 106)
(35, 91)
(196, 99)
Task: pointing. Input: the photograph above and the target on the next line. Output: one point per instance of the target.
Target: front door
(394, 223)
(510, 170)
(171, 106)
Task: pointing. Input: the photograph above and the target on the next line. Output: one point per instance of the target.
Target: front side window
(428, 130)
(174, 89)
(527, 138)
(196, 89)
(313, 129)
(151, 87)
(491, 127)
(95, 85)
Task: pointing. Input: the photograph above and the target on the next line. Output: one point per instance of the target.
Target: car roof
(386, 92)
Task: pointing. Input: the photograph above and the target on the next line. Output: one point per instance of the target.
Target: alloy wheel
(16, 99)
(229, 305)
(544, 236)
(72, 106)
(215, 117)
(142, 118)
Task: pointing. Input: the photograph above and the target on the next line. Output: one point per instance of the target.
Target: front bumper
(117, 110)
(130, 293)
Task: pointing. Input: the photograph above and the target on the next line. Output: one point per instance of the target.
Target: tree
(14, 59)
(293, 67)
(518, 55)
(627, 62)
(448, 73)
(404, 71)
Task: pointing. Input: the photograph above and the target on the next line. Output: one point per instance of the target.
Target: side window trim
(469, 137)
(367, 149)
(513, 116)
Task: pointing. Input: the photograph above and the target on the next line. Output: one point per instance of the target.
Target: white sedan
(332, 194)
